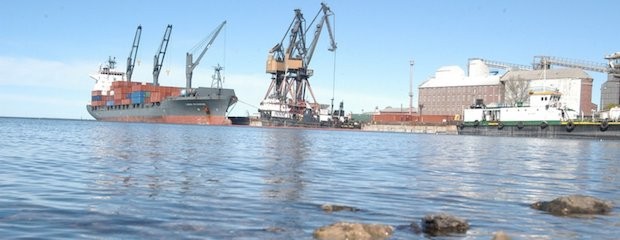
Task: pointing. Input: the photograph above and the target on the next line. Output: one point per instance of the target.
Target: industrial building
(610, 90)
(574, 84)
(390, 115)
(450, 91)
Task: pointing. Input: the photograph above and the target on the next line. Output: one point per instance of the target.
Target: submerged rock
(501, 236)
(443, 224)
(274, 229)
(574, 204)
(353, 231)
(336, 208)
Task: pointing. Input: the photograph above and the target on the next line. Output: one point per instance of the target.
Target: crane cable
(235, 104)
(333, 70)
(239, 100)
(333, 81)
(224, 67)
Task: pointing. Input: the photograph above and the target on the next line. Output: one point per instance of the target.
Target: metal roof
(557, 73)
(454, 76)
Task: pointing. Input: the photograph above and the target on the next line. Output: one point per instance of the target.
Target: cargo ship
(115, 97)
(545, 117)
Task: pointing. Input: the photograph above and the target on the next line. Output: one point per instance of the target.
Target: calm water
(91, 180)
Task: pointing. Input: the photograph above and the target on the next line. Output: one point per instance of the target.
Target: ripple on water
(86, 179)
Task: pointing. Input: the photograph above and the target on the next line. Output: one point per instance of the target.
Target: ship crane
(161, 53)
(190, 64)
(289, 69)
(131, 60)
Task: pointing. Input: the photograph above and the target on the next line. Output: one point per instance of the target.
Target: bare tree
(516, 90)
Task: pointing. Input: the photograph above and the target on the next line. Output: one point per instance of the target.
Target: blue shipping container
(138, 97)
(137, 100)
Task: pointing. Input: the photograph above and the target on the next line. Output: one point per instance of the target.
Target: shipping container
(97, 103)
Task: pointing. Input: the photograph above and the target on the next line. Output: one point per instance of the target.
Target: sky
(49, 48)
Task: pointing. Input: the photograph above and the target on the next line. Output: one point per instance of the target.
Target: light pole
(411, 62)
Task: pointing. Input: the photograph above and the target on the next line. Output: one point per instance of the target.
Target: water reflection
(149, 159)
(285, 151)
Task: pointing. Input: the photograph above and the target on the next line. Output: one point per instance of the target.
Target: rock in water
(443, 224)
(335, 208)
(574, 204)
(353, 231)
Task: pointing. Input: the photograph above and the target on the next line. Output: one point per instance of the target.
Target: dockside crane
(131, 60)
(161, 53)
(289, 69)
(205, 44)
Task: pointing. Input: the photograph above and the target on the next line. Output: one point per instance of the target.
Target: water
(68, 179)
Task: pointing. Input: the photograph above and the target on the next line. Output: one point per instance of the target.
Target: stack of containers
(96, 99)
(125, 93)
(121, 91)
(149, 93)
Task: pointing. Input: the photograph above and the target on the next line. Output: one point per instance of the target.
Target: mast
(217, 77)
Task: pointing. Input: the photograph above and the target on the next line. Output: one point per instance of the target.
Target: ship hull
(564, 130)
(208, 107)
(274, 119)
(284, 122)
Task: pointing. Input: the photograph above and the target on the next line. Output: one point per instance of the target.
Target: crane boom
(545, 62)
(324, 20)
(190, 64)
(131, 60)
(161, 54)
(503, 65)
(298, 35)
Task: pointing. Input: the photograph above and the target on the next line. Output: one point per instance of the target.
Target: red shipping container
(118, 95)
(136, 88)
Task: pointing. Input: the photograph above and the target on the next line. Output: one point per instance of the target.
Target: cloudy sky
(48, 48)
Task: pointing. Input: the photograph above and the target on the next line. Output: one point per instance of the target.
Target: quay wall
(442, 129)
